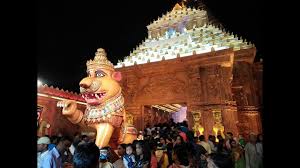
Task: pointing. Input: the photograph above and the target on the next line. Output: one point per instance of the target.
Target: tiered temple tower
(186, 59)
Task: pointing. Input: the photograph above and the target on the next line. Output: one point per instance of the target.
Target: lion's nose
(85, 83)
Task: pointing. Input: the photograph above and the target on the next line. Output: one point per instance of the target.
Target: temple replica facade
(187, 61)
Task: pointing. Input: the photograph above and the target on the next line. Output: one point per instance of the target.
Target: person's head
(147, 137)
(153, 133)
(77, 139)
(54, 139)
(219, 137)
(85, 138)
(252, 138)
(233, 143)
(180, 155)
(195, 139)
(139, 148)
(77, 136)
(259, 138)
(159, 150)
(134, 142)
(121, 149)
(169, 140)
(179, 139)
(229, 135)
(42, 144)
(129, 149)
(201, 138)
(64, 144)
(162, 140)
(143, 150)
(86, 155)
(153, 146)
(185, 124)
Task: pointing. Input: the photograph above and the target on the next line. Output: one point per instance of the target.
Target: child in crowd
(129, 158)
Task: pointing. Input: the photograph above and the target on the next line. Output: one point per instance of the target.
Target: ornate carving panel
(226, 83)
(195, 90)
(129, 88)
(170, 86)
(210, 80)
(239, 97)
(243, 76)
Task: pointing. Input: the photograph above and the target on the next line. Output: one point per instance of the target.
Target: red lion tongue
(92, 101)
(93, 98)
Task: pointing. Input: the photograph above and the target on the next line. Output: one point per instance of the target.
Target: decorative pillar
(250, 121)
(230, 119)
(246, 87)
(197, 128)
(218, 126)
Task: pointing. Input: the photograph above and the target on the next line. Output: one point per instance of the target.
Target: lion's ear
(117, 76)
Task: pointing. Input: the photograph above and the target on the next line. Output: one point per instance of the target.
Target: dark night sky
(69, 32)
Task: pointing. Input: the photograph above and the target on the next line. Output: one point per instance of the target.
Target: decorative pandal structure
(187, 60)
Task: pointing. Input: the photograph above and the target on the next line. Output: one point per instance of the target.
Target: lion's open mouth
(93, 98)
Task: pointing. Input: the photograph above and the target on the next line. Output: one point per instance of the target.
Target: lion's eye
(99, 74)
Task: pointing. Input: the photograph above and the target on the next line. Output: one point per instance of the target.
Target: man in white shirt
(76, 141)
(211, 141)
(54, 158)
(251, 155)
(42, 149)
(204, 144)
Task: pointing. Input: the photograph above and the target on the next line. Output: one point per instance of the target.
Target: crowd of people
(165, 145)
